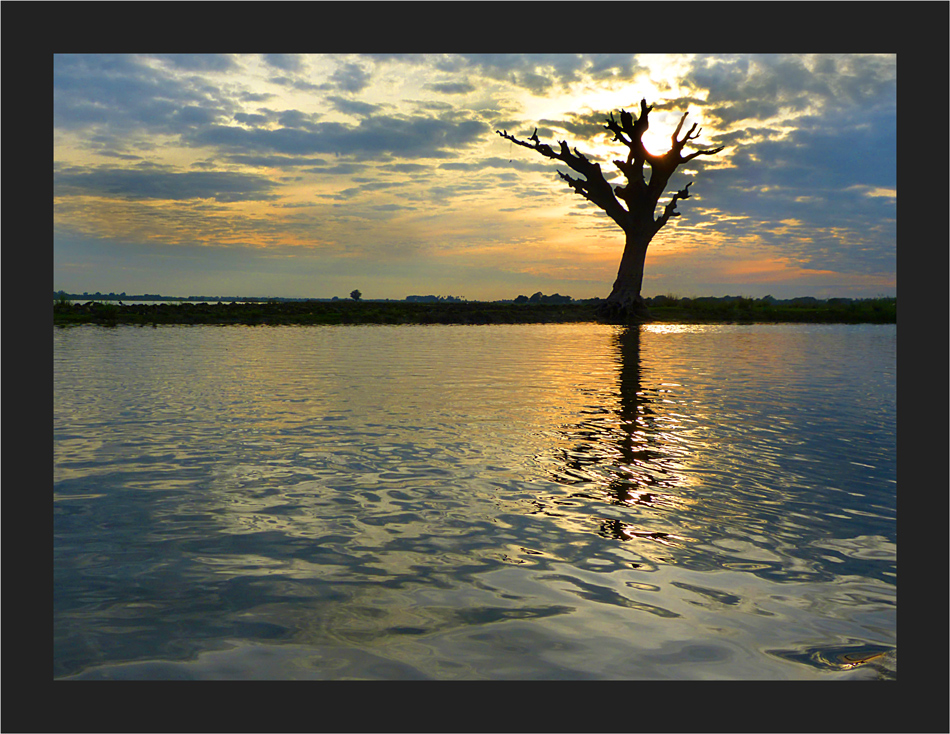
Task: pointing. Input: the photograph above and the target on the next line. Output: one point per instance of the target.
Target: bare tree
(632, 206)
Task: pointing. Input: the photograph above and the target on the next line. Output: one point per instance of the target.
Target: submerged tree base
(634, 311)
(660, 309)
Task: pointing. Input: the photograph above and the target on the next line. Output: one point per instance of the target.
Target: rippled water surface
(483, 502)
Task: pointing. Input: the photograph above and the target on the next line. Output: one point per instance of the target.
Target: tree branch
(641, 198)
(630, 131)
(711, 151)
(594, 187)
(670, 209)
(691, 134)
(634, 205)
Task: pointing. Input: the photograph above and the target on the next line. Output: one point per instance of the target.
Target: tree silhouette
(631, 206)
(356, 295)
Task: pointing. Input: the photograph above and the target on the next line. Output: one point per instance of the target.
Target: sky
(309, 176)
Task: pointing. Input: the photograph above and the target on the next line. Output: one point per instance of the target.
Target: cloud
(373, 148)
(767, 87)
(122, 93)
(352, 106)
(285, 62)
(381, 135)
(408, 167)
(583, 126)
(273, 161)
(199, 62)
(350, 77)
(537, 73)
(296, 118)
(809, 138)
(451, 87)
(124, 183)
(251, 119)
(296, 83)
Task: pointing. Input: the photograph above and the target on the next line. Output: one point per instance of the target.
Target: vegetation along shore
(661, 309)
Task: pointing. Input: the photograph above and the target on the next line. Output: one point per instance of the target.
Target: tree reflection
(679, 475)
(626, 453)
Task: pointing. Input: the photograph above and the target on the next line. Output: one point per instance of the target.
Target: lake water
(475, 502)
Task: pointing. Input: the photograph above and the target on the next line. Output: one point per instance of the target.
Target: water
(475, 502)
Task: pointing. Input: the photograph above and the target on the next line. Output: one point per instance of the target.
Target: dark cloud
(255, 96)
(760, 87)
(295, 83)
(809, 175)
(540, 73)
(285, 62)
(610, 66)
(821, 157)
(829, 177)
(123, 93)
(583, 126)
(120, 156)
(340, 169)
(535, 72)
(152, 183)
(199, 62)
(352, 106)
(405, 137)
(451, 87)
(297, 119)
(252, 119)
(350, 77)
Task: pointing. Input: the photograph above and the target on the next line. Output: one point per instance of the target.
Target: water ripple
(540, 501)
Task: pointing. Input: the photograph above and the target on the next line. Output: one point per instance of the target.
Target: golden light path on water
(464, 502)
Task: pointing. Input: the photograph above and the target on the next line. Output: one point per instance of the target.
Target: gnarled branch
(710, 151)
(691, 134)
(593, 187)
(640, 197)
(630, 130)
(638, 220)
(670, 209)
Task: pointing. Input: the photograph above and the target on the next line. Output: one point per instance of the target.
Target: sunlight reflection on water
(574, 501)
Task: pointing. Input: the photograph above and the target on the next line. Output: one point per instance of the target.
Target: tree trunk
(633, 205)
(624, 304)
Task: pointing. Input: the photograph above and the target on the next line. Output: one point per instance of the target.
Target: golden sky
(312, 175)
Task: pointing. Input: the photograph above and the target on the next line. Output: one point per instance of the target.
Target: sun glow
(349, 158)
(655, 142)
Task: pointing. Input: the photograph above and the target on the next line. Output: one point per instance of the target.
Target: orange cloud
(767, 270)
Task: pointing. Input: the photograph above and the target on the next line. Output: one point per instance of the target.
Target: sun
(655, 141)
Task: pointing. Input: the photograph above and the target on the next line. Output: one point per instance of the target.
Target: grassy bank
(765, 310)
(320, 312)
(662, 308)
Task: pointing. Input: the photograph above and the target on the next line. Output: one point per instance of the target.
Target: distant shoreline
(663, 310)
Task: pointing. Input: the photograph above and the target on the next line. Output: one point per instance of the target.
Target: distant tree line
(660, 301)
(123, 296)
(434, 299)
(669, 300)
(111, 296)
(539, 297)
